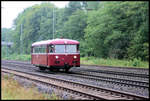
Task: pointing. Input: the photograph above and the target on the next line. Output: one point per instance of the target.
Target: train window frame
(61, 48)
(70, 49)
(35, 48)
(51, 48)
(40, 49)
(78, 47)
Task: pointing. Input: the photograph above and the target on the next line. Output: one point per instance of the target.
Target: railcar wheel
(42, 68)
(67, 69)
(51, 69)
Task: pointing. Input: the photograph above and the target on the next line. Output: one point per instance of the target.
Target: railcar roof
(56, 41)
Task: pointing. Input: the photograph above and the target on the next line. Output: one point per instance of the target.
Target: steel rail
(125, 82)
(98, 92)
(104, 71)
(116, 73)
(135, 68)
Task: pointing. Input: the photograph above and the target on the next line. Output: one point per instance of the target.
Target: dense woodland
(116, 29)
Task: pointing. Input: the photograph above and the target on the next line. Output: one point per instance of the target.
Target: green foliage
(73, 28)
(92, 5)
(6, 34)
(6, 51)
(136, 62)
(118, 30)
(36, 24)
(115, 29)
(72, 7)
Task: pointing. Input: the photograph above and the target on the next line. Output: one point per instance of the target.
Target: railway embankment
(13, 89)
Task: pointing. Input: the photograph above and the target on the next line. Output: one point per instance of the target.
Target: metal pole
(53, 23)
(21, 40)
(6, 40)
(7, 43)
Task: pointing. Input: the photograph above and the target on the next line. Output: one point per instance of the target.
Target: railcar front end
(64, 56)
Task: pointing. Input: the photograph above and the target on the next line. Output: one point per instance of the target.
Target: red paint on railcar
(52, 60)
(39, 59)
(63, 59)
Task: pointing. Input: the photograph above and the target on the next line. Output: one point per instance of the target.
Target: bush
(136, 62)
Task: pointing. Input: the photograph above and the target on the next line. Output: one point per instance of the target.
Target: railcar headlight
(75, 57)
(56, 57)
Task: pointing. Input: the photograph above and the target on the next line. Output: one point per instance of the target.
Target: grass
(12, 90)
(23, 57)
(114, 62)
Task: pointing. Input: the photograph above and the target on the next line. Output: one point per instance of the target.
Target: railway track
(119, 84)
(97, 78)
(130, 69)
(139, 80)
(84, 90)
(122, 69)
(117, 73)
(124, 82)
(136, 72)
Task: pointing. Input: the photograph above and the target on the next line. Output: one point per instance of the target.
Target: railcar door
(42, 55)
(50, 55)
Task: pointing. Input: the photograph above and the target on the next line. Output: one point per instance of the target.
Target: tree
(118, 30)
(74, 27)
(139, 44)
(72, 7)
(6, 34)
(36, 22)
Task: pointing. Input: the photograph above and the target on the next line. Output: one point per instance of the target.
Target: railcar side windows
(39, 49)
(35, 49)
(43, 49)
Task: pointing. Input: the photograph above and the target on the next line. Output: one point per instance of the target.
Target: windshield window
(71, 48)
(66, 48)
(59, 48)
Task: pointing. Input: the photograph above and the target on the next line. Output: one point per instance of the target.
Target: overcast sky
(11, 9)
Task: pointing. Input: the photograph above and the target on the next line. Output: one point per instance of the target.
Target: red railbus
(55, 54)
